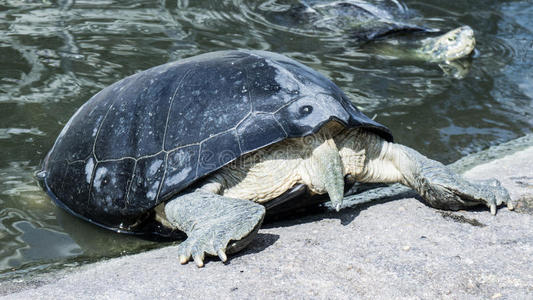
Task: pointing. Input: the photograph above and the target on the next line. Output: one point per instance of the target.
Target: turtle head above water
(454, 44)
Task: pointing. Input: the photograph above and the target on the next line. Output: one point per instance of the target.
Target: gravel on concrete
(384, 250)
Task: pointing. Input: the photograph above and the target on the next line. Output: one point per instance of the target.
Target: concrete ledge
(387, 249)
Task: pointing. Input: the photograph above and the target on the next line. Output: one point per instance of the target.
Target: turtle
(370, 20)
(207, 144)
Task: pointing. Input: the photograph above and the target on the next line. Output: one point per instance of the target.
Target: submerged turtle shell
(144, 139)
(361, 20)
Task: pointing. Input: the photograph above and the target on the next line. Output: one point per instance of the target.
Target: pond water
(54, 55)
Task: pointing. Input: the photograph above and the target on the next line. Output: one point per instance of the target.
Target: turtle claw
(211, 222)
(183, 259)
(209, 240)
(496, 194)
(488, 192)
(195, 246)
(222, 255)
(493, 209)
(199, 259)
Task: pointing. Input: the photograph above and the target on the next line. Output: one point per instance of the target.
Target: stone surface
(384, 249)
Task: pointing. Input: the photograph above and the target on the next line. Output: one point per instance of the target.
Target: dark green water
(54, 55)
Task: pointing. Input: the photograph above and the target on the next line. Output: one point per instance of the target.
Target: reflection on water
(55, 54)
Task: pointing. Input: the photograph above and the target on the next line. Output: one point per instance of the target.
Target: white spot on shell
(154, 167)
(177, 178)
(98, 177)
(153, 191)
(89, 170)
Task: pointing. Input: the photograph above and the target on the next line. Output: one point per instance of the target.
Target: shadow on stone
(317, 212)
(258, 244)
(460, 219)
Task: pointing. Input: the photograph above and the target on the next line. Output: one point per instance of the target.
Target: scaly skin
(225, 208)
(211, 221)
(441, 187)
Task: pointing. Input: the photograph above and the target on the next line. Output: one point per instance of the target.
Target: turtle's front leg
(436, 183)
(214, 224)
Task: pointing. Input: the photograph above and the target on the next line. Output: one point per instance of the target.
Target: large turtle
(208, 142)
(366, 20)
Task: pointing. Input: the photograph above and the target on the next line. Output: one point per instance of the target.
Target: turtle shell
(360, 20)
(145, 138)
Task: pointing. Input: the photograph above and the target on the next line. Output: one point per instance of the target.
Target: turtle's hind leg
(436, 183)
(214, 224)
(442, 188)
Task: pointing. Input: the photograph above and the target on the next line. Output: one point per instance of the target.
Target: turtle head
(455, 44)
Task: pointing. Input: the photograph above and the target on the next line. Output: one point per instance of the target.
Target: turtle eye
(306, 109)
